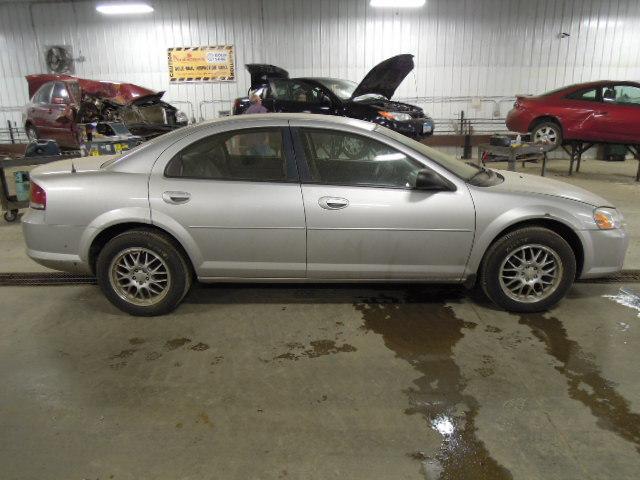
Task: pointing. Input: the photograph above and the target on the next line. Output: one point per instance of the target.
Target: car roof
(594, 84)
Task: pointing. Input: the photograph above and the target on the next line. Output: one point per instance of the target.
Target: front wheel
(528, 270)
(143, 273)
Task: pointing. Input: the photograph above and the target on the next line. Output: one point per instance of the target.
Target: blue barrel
(22, 186)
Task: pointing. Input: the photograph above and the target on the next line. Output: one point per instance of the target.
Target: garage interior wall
(486, 49)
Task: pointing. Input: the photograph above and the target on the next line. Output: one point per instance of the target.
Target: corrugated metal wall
(464, 48)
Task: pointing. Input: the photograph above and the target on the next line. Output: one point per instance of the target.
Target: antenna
(73, 167)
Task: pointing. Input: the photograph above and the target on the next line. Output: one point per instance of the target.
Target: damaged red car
(62, 105)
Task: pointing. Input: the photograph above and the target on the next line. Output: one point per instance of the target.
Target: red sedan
(603, 112)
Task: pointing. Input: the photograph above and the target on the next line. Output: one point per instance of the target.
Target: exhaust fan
(59, 58)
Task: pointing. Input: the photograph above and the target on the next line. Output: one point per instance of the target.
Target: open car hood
(118, 92)
(385, 78)
(261, 73)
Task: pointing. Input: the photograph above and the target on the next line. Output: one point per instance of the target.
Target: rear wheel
(528, 270)
(548, 133)
(143, 273)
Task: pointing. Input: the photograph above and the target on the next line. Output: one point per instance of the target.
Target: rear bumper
(53, 246)
(518, 120)
(604, 252)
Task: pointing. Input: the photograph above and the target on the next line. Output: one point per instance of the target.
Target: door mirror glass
(428, 180)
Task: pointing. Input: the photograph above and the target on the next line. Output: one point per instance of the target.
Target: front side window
(296, 91)
(252, 155)
(343, 158)
(625, 95)
(60, 91)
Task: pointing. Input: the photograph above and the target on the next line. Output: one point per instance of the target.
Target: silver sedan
(310, 198)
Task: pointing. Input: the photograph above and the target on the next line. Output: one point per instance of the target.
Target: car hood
(261, 73)
(523, 183)
(385, 78)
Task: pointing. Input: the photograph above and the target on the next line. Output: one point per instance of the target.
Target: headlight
(181, 117)
(398, 117)
(607, 218)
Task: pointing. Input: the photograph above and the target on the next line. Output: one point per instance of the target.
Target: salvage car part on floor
(370, 100)
(59, 103)
(196, 203)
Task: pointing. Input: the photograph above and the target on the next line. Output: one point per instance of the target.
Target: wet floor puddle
(584, 379)
(421, 330)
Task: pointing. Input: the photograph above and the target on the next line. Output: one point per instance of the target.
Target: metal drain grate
(44, 278)
(625, 276)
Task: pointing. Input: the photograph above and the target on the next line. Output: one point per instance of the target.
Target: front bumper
(414, 128)
(604, 252)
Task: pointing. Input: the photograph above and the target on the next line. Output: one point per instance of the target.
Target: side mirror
(428, 180)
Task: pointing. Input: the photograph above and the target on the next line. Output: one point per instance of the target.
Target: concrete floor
(275, 382)
(357, 382)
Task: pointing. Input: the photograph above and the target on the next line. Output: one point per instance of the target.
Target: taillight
(37, 197)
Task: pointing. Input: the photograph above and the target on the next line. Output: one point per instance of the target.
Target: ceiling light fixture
(397, 3)
(124, 8)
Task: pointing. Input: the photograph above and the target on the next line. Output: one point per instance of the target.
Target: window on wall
(343, 158)
(253, 155)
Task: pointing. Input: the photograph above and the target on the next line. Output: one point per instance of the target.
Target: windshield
(343, 89)
(457, 167)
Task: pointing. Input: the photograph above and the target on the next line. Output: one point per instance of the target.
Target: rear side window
(251, 155)
(343, 158)
(592, 94)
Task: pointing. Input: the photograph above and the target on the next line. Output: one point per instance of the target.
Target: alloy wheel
(546, 134)
(140, 276)
(531, 273)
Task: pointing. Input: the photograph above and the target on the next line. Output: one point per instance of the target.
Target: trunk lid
(261, 73)
(81, 165)
(385, 78)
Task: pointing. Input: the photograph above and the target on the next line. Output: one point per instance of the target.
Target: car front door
(619, 120)
(60, 116)
(297, 96)
(365, 219)
(235, 198)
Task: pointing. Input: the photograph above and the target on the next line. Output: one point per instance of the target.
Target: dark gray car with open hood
(369, 100)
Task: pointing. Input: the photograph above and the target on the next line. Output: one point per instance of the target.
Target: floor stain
(151, 356)
(421, 330)
(318, 348)
(136, 341)
(200, 347)
(203, 418)
(217, 360)
(124, 354)
(176, 343)
(584, 379)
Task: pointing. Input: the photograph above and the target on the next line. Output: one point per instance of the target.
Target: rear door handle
(176, 198)
(333, 203)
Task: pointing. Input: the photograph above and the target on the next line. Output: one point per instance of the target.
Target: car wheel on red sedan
(548, 133)
(142, 273)
(528, 270)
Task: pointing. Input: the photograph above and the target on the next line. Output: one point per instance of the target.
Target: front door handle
(333, 203)
(176, 198)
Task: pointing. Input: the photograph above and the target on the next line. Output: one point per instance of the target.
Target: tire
(11, 215)
(135, 289)
(510, 263)
(32, 133)
(547, 132)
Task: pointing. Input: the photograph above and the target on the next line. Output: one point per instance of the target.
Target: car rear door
(60, 117)
(39, 110)
(235, 198)
(366, 221)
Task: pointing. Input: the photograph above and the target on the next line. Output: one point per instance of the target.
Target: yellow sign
(202, 64)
